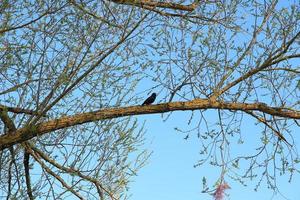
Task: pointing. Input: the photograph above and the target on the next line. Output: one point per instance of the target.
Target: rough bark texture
(158, 4)
(28, 132)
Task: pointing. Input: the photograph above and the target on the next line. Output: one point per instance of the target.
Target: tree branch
(48, 12)
(278, 57)
(18, 110)
(31, 131)
(262, 120)
(9, 124)
(17, 86)
(83, 9)
(71, 170)
(56, 176)
(27, 175)
(159, 4)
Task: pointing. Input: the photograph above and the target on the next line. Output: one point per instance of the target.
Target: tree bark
(31, 131)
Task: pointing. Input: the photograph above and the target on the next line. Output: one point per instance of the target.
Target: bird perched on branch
(150, 99)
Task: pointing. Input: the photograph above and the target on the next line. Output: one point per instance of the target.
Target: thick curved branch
(32, 131)
(158, 4)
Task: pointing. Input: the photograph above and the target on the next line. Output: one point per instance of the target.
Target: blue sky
(170, 175)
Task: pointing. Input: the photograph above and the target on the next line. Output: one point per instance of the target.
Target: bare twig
(99, 186)
(57, 177)
(48, 12)
(280, 136)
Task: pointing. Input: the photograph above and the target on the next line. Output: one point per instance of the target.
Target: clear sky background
(170, 175)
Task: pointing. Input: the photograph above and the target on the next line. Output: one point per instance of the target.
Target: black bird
(150, 99)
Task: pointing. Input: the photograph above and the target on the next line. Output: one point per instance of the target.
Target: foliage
(62, 58)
